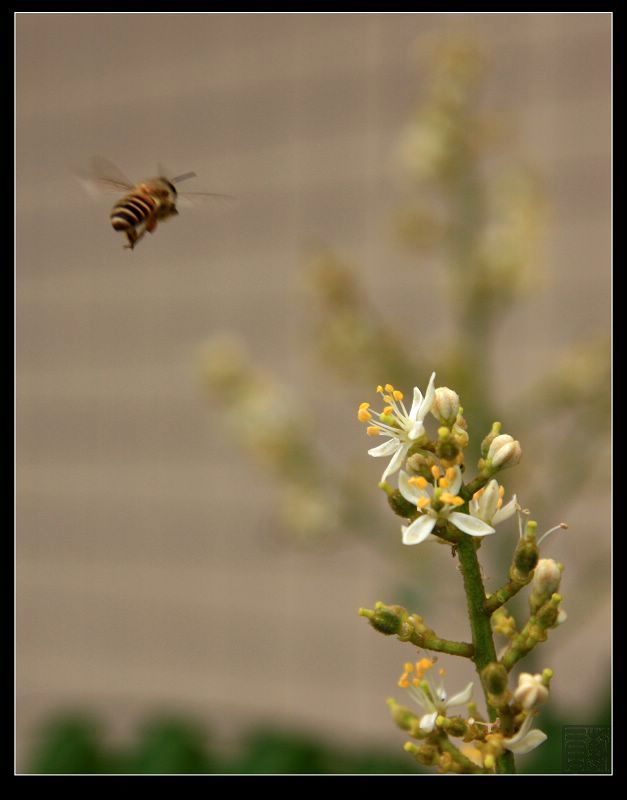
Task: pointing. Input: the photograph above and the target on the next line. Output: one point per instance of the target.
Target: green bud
(456, 726)
(402, 716)
(427, 754)
(526, 558)
(494, 678)
(447, 449)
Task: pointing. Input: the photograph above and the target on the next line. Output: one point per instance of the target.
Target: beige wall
(147, 573)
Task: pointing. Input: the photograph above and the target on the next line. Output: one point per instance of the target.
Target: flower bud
(485, 444)
(445, 406)
(504, 451)
(531, 691)
(418, 464)
(547, 577)
(495, 678)
(447, 449)
(525, 557)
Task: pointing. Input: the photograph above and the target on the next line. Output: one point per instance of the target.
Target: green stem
(482, 640)
(505, 593)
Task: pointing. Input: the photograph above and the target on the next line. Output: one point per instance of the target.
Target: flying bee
(145, 204)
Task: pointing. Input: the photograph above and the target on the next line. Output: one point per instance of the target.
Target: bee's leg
(151, 224)
(131, 235)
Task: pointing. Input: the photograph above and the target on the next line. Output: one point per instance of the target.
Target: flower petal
(526, 743)
(395, 461)
(419, 529)
(415, 405)
(410, 492)
(429, 397)
(456, 483)
(470, 525)
(505, 512)
(416, 431)
(385, 449)
(461, 698)
(427, 722)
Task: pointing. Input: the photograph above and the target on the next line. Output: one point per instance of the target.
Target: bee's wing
(104, 176)
(197, 199)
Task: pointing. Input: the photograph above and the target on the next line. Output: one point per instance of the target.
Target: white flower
(531, 691)
(525, 740)
(403, 427)
(436, 503)
(432, 699)
(487, 504)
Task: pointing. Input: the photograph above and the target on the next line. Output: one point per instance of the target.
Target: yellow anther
(388, 410)
(363, 415)
(408, 667)
(435, 471)
(450, 473)
(419, 481)
(415, 682)
(423, 502)
(387, 398)
(403, 683)
(364, 405)
(478, 493)
(373, 430)
(501, 491)
(397, 395)
(389, 387)
(443, 483)
(379, 389)
(499, 502)
(451, 499)
(423, 665)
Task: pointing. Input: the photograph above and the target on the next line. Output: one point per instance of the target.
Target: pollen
(423, 502)
(373, 430)
(363, 415)
(419, 481)
(443, 483)
(452, 499)
(379, 389)
(389, 387)
(450, 473)
(422, 666)
(435, 471)
(388, 410)
(397, 395)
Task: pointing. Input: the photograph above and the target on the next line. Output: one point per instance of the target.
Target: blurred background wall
(150, 573)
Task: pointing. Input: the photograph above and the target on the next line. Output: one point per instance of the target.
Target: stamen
(451, 499)
(419, 481)
(373, 430)
(423, 502)
(379, 389)
(388, 410)
(562, 525)
(408, 667)
(389, 387)
(435, 471)
(422, 666)
(499, 503)
(501, 491)
(443, 483)
(451, 473)
(363, 415)
(364, 405)
(397, 395)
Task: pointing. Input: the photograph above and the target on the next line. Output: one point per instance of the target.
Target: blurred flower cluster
(476, 218)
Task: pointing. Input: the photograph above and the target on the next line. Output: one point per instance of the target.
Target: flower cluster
(437, 501)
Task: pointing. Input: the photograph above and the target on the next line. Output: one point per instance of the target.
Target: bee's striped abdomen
(132, 210)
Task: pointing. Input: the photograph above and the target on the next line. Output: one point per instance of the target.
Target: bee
(145, 204)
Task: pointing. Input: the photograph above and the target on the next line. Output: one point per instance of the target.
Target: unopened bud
(495, 678)
(525, 557)
(417, 464)
(547, 577)
(504, 452)
(400, 506)
(485, 444)
(402, 716)
(531, 691)
(447, 449)
(445, 406)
